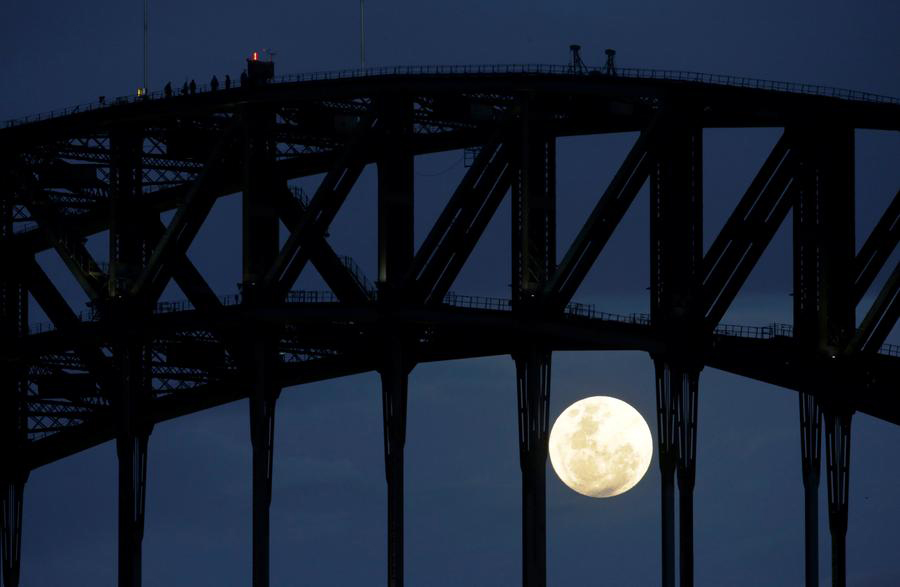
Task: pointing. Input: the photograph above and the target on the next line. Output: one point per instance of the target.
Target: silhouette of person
(184, 89)
(243, 78)
(168, 90)
(214, 83)
(227, 82)
(193, 87)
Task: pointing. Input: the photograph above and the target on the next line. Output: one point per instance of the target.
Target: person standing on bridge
(227, 82)
(167, 91)
(193, 87)
(214, 84)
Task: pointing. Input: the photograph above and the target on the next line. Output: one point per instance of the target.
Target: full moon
(600, 446)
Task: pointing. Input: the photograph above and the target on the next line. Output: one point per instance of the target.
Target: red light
(256, 56)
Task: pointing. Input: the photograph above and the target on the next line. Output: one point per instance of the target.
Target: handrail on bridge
(572, 310)
(539, 69)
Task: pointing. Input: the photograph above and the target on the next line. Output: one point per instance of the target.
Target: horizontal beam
(458, 333)
(869, 381)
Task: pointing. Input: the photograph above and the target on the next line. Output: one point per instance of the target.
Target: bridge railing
(359, 275)
(742, 331)
(477, 302)
(538, 69)
(889, 349)
(572, 310)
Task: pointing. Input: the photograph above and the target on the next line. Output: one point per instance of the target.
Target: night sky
(462, 472)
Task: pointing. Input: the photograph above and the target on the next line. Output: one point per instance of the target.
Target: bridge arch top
(747, 101)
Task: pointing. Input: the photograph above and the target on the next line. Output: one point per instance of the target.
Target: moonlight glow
(600, 446)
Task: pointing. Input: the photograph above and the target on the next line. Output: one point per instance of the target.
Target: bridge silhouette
(132, 360)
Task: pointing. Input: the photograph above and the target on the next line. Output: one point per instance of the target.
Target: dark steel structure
(113, 372)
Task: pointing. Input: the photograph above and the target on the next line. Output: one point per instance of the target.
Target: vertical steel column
(676, 420)
(395, 195)
(262, 438)
(534, 261)
(131, 449)
(837, 441)
(825, 322)
(533, 207)
(260, 349)
(131, 361)
(824, 242)
(11, 502)
(686, 427)
(533, 394)
(810, 448)
(13, 391)
(676, 235)
(395, 254)
(394, 385)
(666, 404)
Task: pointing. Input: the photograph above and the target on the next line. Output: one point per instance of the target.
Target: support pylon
(132, 453)
(394, 385)
(11, 536)
(837, 442)
(533, 392)
(262, 439)
(686, 429)
(810, 446)
(668, 459)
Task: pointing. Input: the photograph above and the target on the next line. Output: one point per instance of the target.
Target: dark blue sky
(462, 511)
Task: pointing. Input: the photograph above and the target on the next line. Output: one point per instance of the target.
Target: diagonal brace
(877, 249)
(186, 274)
(445, 221)
(747, 233)
(469, 238)
(603, 220)
(184, 226)
(462, 222)
(57, 309)
(881, 317)
(70, 249)
(311, 227)
(329, 265)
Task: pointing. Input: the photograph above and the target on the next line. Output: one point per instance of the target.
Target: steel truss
(131, 361)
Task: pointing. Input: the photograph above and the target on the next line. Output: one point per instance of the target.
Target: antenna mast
(362, 34)
(146, 86)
